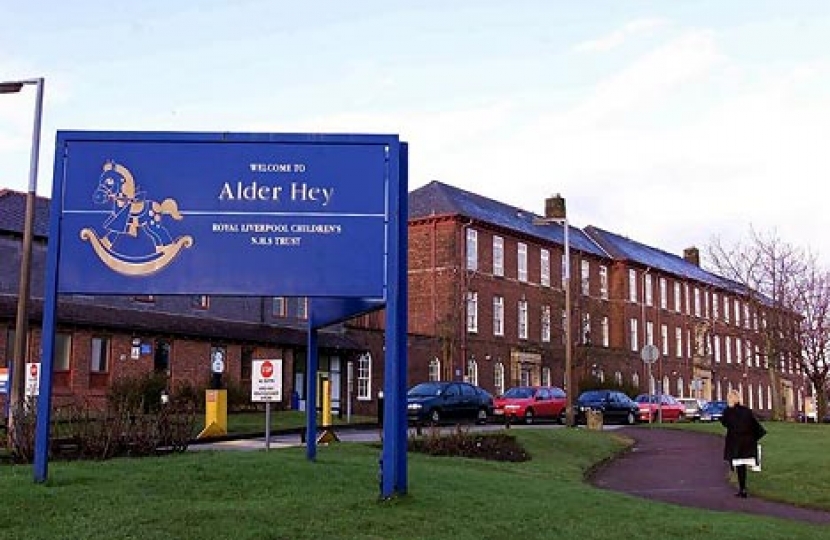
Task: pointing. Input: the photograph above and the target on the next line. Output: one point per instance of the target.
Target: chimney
(692, 255)
(555, 207)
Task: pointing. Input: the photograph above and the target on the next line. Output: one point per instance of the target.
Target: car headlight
(414, 406)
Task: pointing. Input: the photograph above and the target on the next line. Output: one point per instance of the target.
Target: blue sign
(235, 214)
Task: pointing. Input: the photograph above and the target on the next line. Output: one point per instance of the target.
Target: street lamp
(18, 389)
(555, 212)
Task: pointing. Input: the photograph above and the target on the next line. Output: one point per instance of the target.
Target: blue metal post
(50, 305)
(312, 363)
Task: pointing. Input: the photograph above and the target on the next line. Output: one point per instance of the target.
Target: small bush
(462, 443)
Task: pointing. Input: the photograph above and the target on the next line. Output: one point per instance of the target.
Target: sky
(672, 123)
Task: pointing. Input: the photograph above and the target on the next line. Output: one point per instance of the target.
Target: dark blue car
(615, 406)
(713, 411)
(437, 402)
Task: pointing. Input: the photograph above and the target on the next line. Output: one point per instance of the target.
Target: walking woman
(743, 431)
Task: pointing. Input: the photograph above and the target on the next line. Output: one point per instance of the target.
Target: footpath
(687, 469)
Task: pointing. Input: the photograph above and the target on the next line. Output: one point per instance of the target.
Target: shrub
(462, 443)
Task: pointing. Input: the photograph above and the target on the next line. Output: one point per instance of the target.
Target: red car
(527, 403)
(652, 406)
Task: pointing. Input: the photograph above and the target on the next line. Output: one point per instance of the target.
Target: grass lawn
(280, 495)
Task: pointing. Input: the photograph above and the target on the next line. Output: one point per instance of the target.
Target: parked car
(713, 411)
(653, 408)
(693, 407)
(438, 402)
(529, 403)
(614, 405)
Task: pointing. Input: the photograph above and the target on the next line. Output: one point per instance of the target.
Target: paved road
(687, 468)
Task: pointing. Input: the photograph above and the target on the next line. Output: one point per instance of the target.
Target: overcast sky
(668, 122)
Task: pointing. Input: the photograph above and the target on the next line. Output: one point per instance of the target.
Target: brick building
(486, 296)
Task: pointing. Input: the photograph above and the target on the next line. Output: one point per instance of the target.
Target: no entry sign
(266, 380)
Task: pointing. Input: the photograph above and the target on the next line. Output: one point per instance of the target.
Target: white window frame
(434, 374)
(472, 312)
(544, 267)
(472, 371)
(364, 377)
(498, 378)
(521, 262)
(585, 282)
(546, 324)
(632, 285)
(498, 256)
(498, 315)
(522, 319)
(632, 334)
(472, 249)
(648, 290)
(664, 338)
(603, 282)
(100, 357)
(678, 299)
(606, 332)
(664, 300)
(678, 342)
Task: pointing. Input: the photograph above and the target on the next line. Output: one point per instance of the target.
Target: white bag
(757, 466)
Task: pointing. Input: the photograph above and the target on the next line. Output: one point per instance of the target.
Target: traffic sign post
(649, 354)
(266, 386)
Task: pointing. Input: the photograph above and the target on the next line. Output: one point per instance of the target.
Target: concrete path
(687, 468)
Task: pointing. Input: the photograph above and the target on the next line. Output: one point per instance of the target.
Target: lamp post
(18, 390)
(555, 212)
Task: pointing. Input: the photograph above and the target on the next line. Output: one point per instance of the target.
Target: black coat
(743, 431)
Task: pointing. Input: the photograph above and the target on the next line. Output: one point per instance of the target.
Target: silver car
(693, 408)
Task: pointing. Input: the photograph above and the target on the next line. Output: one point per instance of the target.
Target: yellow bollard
(326, 403)
(216, 414)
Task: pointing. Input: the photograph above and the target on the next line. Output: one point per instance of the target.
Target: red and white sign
(4, 380)
(32, 380)
(266, 380)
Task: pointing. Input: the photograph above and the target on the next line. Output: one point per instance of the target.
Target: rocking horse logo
(135, 241)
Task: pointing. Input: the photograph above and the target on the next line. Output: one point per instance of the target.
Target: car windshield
(645, 398)
(520, 392)
(716, 406)
(425, 390)
(593, 395)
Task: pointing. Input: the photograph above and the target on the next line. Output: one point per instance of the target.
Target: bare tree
(768, 273)
(813, 332)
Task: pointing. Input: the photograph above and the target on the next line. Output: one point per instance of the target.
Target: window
(546, 324)
(739, 350)
(498, 256)
(586, 278)
(716, 348)
(633, 334)
(664, 293)
(62, 352)
(632, 285)
(498, 315)
(726, 310)
(606, 333)
(546, 376)
(99, 357)
(498, 378)
(603, 282)
(522, 261)
(544, 267)
(650, 333)
(715, 306)
(677, 301)
(364, 377)
(687, 299)
(664, 339)
(472, 311)
(472, 371)
(727, 345)
(278, 306)
(737, 305)
(472, 249)
(648, 290)
(681, 390)
(678, 342)
(586, 329)
(434, 370)
(697, 302)
(297, 308)
(522, 319)
(635, 380)
(565, 271)
(199, 301)
(706, 301)
(618, 378)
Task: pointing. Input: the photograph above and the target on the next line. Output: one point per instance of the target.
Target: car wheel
(562, 418)
(482, 416)
(435, 416)
(630, 419)
(529, 416)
